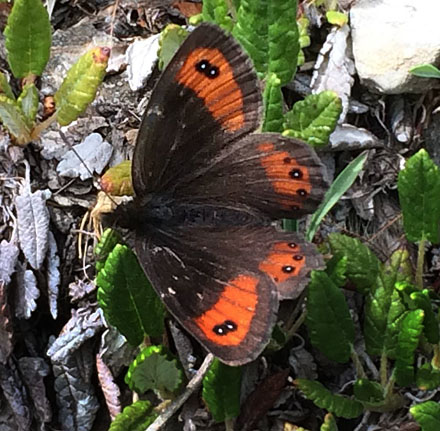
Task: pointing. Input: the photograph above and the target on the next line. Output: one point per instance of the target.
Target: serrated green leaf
(155, 369)
(135, 417)
(28, 101)
(427, 378)
(328, 319)
(268, 32)
(362, 265)
(13, 119)
(221, 390)
(419, 188)
(80, 85)
(217, 11)
(427, 415)
(304, 38)
(337, 404)
(422, 301)
(273, 105)
(28, 38)
(339, 186)
(408, 340)
(329, 423)
(127, 298)
(105, 246)
(314, 118)
(5, 88)
(170, 40)
(367, 391)
(336, 268)
(384, 308)
(426, 71)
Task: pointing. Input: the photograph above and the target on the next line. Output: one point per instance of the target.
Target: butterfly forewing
(207, 97)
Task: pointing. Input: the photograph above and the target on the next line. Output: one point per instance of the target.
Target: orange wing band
(236, 306)
(220, 94)
(288, 178)
(283, 262)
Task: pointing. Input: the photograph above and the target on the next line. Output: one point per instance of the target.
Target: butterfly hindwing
(207, 97)
(223, 285)
(277, 175)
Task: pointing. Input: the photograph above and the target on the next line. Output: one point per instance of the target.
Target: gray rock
(392, 36)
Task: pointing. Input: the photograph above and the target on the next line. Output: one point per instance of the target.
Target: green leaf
(127, 298)
(304, 38)
(28, 38)
(408, 340)
(170, 40)
(422, 301)
(155, 369)
(337, 404)
(273, 105)
(336, 268)
(329, 423)
(419, 188)
(221, 390)
(336, 18)
(367, 391)
(5, 88)
(14, 120)
(268, 32)
(328, 318)
(427, 415)
(135, 417)
(384, 308)
(117, 180)
(80, 85)
(362, 265)
(314, 118)
(217, 11)
(426, 71)
(427, 378)
(105, 246)
(339, 186)
(28, 100)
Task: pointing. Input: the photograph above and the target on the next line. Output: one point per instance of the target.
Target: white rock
(141, 56)
(392, 36)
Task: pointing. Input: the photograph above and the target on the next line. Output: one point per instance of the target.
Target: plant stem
(192, 386)
(383, 372)
(420, 263)
(36, 132)
(436, 358)
(297, 324)
(229, 424)
(358, 364)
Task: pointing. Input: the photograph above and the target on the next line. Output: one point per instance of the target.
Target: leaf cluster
(27, 41)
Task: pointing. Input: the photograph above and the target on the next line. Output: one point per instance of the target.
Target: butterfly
(208, 189)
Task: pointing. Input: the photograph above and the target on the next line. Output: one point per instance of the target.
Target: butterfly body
(207, 190)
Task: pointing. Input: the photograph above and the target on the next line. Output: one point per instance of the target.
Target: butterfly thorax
(155, 210)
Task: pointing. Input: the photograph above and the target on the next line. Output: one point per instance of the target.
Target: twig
(192, 386)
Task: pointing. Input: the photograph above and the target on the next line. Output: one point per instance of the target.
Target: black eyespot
(293, 245)
(298, 257)
(288, 269)
(301, 192)
(276, 279)
(224, 328)
(209, 70)
(287, 160)
(296, 174)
